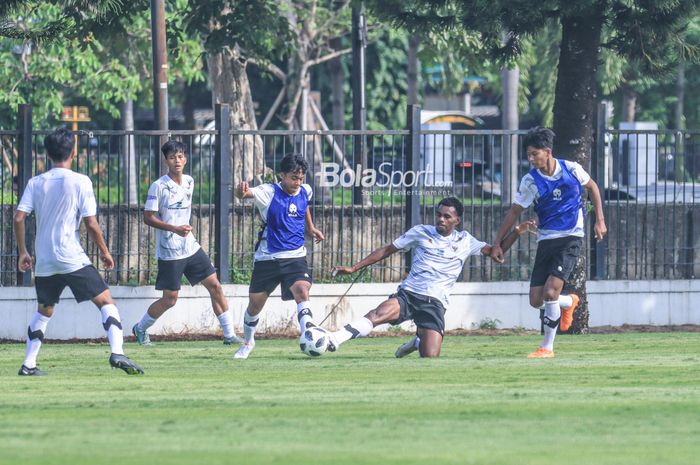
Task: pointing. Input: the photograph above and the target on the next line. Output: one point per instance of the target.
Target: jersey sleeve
(409, 239)
(579, 173)
(88, 204)
(26, 203)
(309, 190)
(527, 192)
(475, 245)
(263, 194)
(151, 204)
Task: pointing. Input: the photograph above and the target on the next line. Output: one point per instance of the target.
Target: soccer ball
(314, 341)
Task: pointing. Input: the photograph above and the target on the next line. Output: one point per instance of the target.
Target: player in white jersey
(61, 199)
(168, 209)
(439, 253)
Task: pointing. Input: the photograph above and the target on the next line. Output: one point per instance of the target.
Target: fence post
(412, 164)
(223, 189)
(24, 163)
(599, 174)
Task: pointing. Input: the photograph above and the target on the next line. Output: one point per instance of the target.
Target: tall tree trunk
(574, 116)
(413, 67)
(629, 103)
(230, 85)
(335, 67)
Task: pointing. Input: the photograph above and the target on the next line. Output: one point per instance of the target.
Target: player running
(439, 253)
(554, 187)
(168, 208)
(280, 255)
(60, 199)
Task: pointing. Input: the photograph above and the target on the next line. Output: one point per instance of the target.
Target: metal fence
(650, 214)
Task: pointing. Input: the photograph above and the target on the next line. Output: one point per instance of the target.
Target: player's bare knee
(551, 293)
(430, 352)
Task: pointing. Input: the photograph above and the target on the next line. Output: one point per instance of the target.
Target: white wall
(610, 302)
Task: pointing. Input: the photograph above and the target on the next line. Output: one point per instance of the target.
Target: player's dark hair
(292, 163)
(172, 147)
(539, 138)
(59, 144)
(454, 203)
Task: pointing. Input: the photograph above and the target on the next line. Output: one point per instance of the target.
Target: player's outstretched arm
(95, 233)
(25, 260)
(243, 191)
(529, 226)
(508, 222)
(376, 256)
(315, 233)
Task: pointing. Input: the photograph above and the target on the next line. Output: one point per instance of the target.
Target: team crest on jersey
(557, 194)
(292, 210)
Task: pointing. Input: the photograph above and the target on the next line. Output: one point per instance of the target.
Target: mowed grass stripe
(605, 399)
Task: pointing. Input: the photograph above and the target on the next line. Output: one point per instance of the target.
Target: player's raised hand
(182, 230)
(242, 189)
(25, 262)
(107, 261)
(342, 270)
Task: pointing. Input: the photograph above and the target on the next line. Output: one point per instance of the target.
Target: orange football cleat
(542, 353)
(567, 315)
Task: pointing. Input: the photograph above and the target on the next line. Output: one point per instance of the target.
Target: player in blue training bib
(280, 255)
(555, 188)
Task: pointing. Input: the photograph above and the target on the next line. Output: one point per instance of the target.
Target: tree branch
(330, 56)
(269, 67)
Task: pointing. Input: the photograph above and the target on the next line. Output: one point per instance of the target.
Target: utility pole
(359, 107)
(160, 71)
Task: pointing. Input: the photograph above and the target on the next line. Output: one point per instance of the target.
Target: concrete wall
(611, 303)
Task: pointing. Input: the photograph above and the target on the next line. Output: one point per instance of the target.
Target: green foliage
(487, 323)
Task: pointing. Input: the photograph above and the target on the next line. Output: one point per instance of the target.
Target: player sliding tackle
(439, 253)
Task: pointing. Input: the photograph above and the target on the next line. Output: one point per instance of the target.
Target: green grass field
(606, 399)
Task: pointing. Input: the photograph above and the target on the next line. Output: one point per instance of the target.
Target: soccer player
(60, 199)
(280, 255)
(168, 208)
(439, 253)
(555, 188)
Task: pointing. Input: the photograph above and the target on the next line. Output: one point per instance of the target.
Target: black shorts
(268, 274)
(195, 268)
(425, 311)
(85, 284)
(555, 257)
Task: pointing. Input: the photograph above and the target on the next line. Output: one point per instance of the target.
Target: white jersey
(61, 198)
(173, 204)
(263, 195)
(528, 194)
(437, 260)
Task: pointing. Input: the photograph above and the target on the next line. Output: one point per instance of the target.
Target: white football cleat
(244, 351)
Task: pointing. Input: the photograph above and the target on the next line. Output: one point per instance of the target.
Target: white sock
(113, 326)
(250, 324)
(146, 322)
(226, 322)
(565, 301)
(358, 328)
(35, 335)
(304, 315)
(552, 313)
